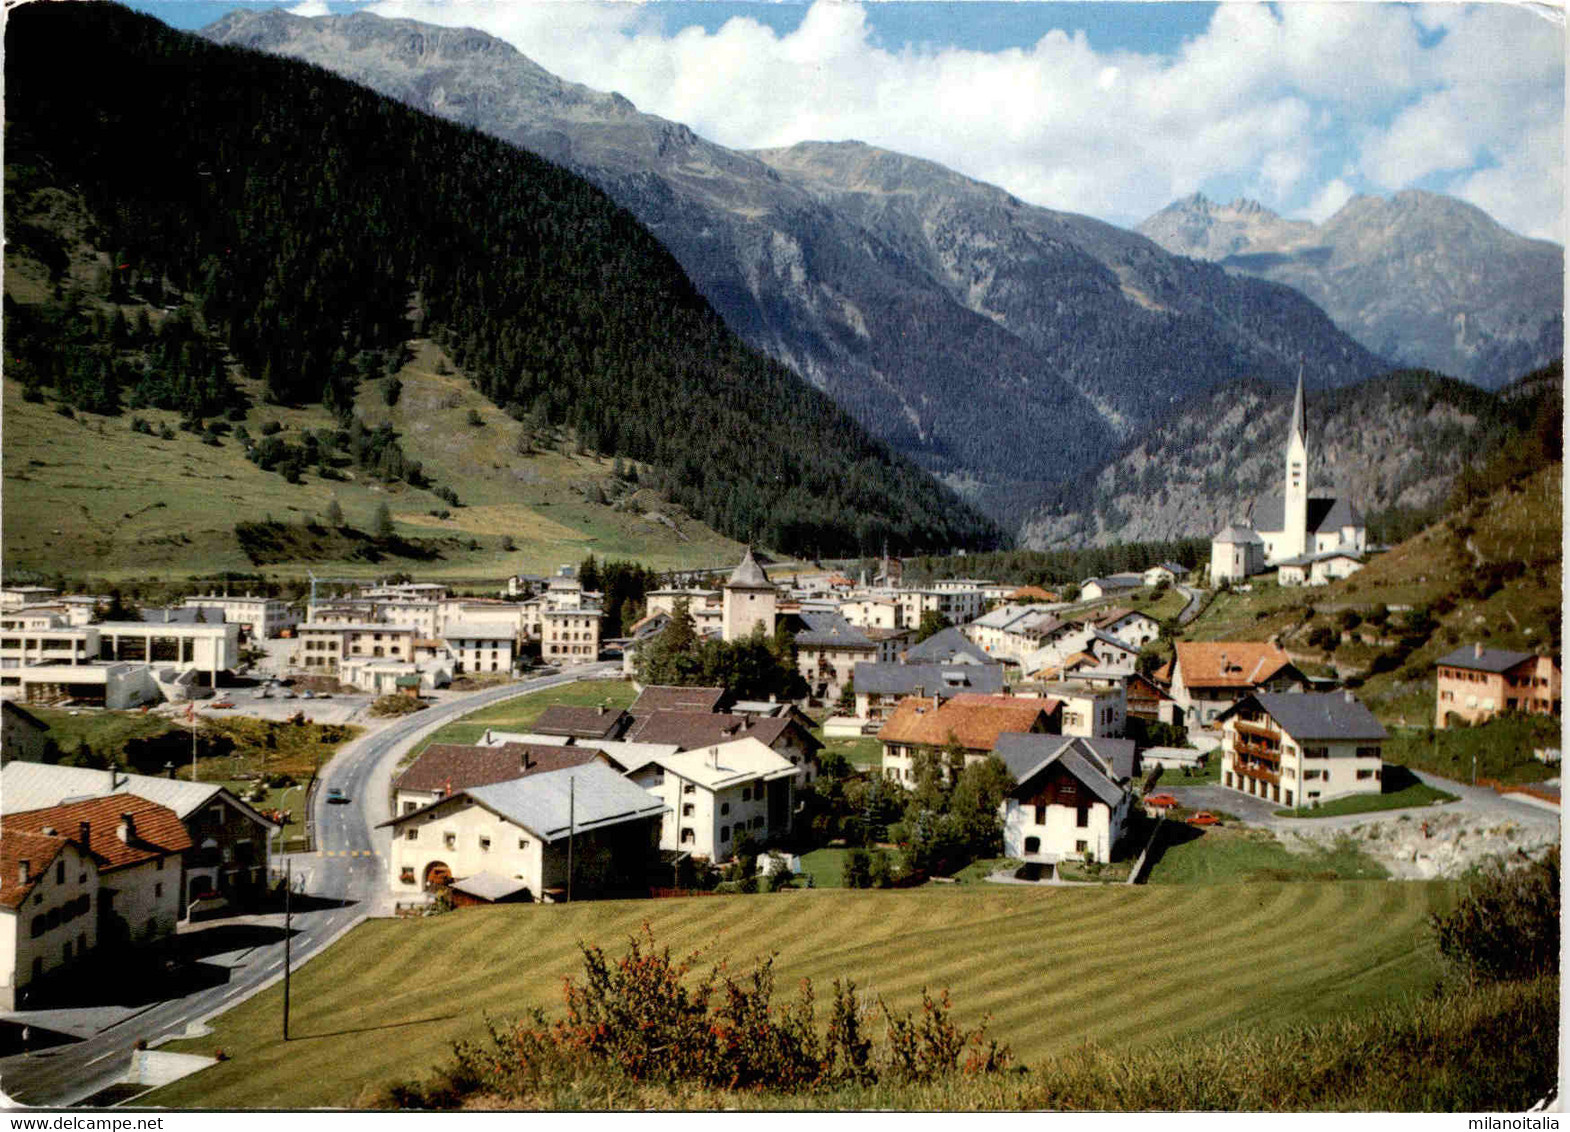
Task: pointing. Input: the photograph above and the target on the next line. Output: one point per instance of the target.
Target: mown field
(1119, 966)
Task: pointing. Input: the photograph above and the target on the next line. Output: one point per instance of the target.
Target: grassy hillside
(87, 495)
(389, 999)
(1492, 572)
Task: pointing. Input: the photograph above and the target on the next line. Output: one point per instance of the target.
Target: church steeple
(1294, 497)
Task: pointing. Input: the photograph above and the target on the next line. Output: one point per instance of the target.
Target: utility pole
(572, 782)
(288, 885)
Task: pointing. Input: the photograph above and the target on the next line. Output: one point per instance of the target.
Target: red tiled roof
(1228, 664)
(37, 849)
(157, 830)
(975, 720)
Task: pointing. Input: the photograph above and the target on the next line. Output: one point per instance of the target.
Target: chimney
(527, 761)
(600, 710)
(23, 875)
(714, 757)
(84, 833)
(168, 770)
(487, 736)
(1477, 650)
(127, 830)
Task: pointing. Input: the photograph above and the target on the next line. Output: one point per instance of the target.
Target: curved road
(344, 882)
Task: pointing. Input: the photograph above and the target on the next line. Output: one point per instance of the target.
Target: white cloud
(1328, 201)
(311, 8)
(1270, 98)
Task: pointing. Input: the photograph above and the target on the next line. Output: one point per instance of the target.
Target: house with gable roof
(446, 768)
(1071, 797)
(48, 910)
(880, 687)
(1300, 748)
(509, 840)
(971, 721)
(1208, 677)
(715, 794)
(947, 646)
(1474, 683)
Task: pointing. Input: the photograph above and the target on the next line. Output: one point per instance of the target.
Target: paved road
(344, 882)
(1191, 610)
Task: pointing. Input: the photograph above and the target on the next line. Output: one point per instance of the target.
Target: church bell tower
(1295, 496)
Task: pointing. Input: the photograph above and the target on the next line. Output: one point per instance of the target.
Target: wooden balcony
(1244, 750)
(1252, 770)
(1244, 727)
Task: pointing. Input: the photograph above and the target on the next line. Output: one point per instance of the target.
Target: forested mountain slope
(1004, 347)
(1398, 443)
(315, 226)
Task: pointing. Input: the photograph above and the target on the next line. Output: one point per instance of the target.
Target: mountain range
(1423, 279)
(1398, 443)
(1003, 346)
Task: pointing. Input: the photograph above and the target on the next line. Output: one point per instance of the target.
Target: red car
(1204, 817)
(1161, 801)
(221, 704)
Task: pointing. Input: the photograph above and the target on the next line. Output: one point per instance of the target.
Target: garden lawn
(824, 866)
(388, 1000)
(1402, 791)
(863, 753)
(520, 713)
(1218, 855)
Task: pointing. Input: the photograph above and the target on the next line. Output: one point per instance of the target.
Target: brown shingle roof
(37, 849)
(157, 830)
(581, 722)
(666, 697)
(691, 729)
(1228, 664)
(974, 720)
(453, 766)
(1032, 593)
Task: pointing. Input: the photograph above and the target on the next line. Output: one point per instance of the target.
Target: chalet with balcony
(1071, 799)
(1301, 748)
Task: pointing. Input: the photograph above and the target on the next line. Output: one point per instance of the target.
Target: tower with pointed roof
(1294, 496)
(749, 599)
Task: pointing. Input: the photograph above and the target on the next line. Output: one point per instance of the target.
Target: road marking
(100, 1057)
(237, 990)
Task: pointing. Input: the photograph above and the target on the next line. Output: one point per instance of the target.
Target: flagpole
(571, 821)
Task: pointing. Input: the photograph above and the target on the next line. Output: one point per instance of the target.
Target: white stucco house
(1071, 798)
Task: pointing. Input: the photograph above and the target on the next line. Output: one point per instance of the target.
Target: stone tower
(750, 599)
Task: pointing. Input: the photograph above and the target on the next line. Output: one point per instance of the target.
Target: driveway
(1191, 610)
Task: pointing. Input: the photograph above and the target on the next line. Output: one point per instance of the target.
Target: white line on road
(100, 1057)
(237, 990)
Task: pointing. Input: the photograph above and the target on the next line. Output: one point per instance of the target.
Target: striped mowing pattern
(1115, 965)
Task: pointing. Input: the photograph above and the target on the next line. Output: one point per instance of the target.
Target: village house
(226, 866)
(1169, 572)
(139, 848)
(1094, 589)
(509, 840)
(446, 768)
(1236, 552)
(1301, 748)
(1127, 625)
(48, 911)
(872, 613)
(955, 606)
(570, 721)
(1071, 798)
(259, 616)
(691, 730)
(480, 647)
(827, 652)
(570, 636)
(1208, 677)
(1148, 701)
(947, 646)
(715, 794)
(321, 647)
(1318, 569)
(14, 597)
(1089, 710)
(22, 734)
(1011, 632)
(973, 722)
(1474, 683)
(880, 687)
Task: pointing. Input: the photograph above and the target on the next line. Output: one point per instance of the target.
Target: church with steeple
(1296, 528)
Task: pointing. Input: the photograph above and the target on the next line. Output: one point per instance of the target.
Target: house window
(724, 833)
(1032, 844)
(1081, 846)
(686, 809)
(724, 807)
(746, 793)
(60, 871)
(406, 875)
(410, 807)
(411, 835)
(450, 840)
(1041, 813)
(158, 889)
(485, 844)
(689, 788)
(687, 837)
(1364, 774)
(523, 843)
(1082, 816)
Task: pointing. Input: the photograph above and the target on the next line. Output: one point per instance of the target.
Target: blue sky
(1109, 109)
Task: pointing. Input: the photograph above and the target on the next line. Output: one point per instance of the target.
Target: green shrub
(1506, 924)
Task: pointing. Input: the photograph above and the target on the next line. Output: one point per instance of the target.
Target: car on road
(307, 695)
(1204, 817)
(324, 695)
(336, 797)
(222, 704)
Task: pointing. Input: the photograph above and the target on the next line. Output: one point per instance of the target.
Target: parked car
(307, 695)
(335, 796)
(222, 704)
(1204, 817)
(324, 695)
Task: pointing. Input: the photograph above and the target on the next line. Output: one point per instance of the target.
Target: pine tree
(334, 514)
(382, 524)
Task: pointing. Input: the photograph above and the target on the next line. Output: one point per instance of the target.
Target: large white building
(715, 794)
(1301, 748)
(259, 616)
